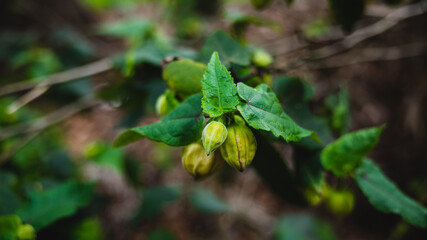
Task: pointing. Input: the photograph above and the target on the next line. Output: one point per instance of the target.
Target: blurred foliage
(43, 186)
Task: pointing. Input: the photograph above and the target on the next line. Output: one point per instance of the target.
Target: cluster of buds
(235, 141)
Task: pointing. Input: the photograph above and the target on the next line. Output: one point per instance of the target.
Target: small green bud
(261, 58)
(166, 103)
(239, 148)
(197, 163)
(26, 232)
(340, 202)
(213, 135)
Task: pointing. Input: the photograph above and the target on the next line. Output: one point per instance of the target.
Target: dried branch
(386, 23)
(373, 55)
(62, 77)
(48, 120)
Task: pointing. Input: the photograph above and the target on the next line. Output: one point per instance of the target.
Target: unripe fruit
(197, 163)
(26, 232)
(261, 58)
(239, 148)
(340, 202)
(213, 135)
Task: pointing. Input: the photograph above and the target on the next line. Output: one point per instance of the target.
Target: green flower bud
(261, 58)
(340, 202)
(166, 103)
(239, 148)
(197, 163)
(213, 135)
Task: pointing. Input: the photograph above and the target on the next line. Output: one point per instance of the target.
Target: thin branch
(373, 55)
(375, 29)
(48, 120)
(62, 77)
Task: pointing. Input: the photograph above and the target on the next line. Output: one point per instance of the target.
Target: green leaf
(180, 127)
(262, 110)
(133, 30)
(271, 167)
(347, 12)
(154, 200)
(205, 201)
(302, 227)
(9, 226)
(161, 234)
(184, 76)
(218, 88)
(58, 202)
(229, 50)
(345, 154)
(9, 201)
(386, 197)
(260, 4)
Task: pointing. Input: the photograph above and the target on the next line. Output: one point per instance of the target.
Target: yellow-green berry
(197, 163)
(213, 135)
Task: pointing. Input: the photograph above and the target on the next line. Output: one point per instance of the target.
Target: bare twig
(375, 29)
(48, 120)
(62, 77)
(373, 55)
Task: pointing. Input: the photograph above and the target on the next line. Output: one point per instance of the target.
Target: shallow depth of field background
(63, 133)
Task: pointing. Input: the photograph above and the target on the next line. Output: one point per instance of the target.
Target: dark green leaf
(294, 95)
(61, 201)
(205, 201)
(302, 227)
(229, 50)
(345, 154)
(386, 197)
(218, 88)
(262, 110)
(260, 4)
(180, 127)
(161, 234)
(184, 76)
(155, 198)
(308, 169)
(271, 167)
(347, 12)
(9, 201)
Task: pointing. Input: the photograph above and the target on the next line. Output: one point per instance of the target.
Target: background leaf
(61, 201)
(386, 197)
(180, 127)
(218, 88)
(229, 50)
(155, 198)
(302, 227)
(345, 154)
(262, 110)
(205, 201)
(184, 76)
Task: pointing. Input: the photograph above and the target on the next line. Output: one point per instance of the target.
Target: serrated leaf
(229, 50)
(205, 201)
(386, 197)
(218, 88)
(61, 201)
(262, 110)
(180, 127)
(184, 76)
(345, 154)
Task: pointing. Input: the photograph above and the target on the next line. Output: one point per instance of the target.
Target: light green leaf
(218, 88)
(345, 154)
(205, 201)
(386, 197)
(180, 127)
(229, 50)
(184, 76)
(262, 110)
(61, 201)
